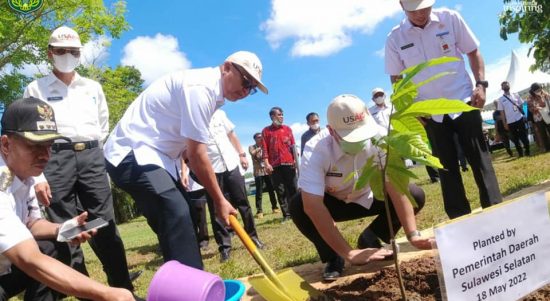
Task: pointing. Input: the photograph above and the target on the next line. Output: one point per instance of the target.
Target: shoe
(368, 239)
(464, 169)
(135, 275)
(333, 269)
(259, 215)
(224, 255)
(259, 244)
(276, 210)
(286, 219)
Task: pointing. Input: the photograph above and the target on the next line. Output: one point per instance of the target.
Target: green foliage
(532, 24)
(408, 138)
(12, 86)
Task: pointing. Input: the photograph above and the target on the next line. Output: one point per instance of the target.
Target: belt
(75, 146)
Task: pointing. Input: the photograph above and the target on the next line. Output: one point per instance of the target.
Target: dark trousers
(260, 181)
(342, 211)
(17, 281)
(198, 213)
(78, 181)
(161, 199)
(544, 130)
(470, 136)
(503, 133)
(284, 179)
(519, 133)
(232, 185)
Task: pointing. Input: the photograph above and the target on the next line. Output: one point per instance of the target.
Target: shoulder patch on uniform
(6, 178)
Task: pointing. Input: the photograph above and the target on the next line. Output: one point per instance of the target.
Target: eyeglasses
(246, 82)
(62, 51)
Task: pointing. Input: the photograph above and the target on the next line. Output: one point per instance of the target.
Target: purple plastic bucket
(177, 282)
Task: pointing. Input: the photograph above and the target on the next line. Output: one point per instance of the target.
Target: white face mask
(314, 126)
(379, 100)
(65, 63)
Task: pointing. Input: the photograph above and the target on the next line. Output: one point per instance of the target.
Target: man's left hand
(478, 97)
(422, 243)
(43, 193)
(244, 163)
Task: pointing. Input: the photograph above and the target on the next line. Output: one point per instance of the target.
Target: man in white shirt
(327, 197)
(380, 111)
(510, 106)
(227, 156)
(172, 116)
(26, 239)
(76, 175)
(312, 120)
(427, 34)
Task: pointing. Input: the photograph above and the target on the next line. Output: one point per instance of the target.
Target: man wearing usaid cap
(326, 197)
(170, 117)
(28, 242)
(427, 34)
(76, 175)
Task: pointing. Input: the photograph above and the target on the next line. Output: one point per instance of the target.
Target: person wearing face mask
(510, 106)
(380, 111)
(312, 120)
(326, 197)
(539, 105)
(76, 175)
(278, 150)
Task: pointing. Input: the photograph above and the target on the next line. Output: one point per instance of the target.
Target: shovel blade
(299, 289)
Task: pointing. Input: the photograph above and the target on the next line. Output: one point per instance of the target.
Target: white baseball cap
(377, 90)
(251, 64)
(64, 37)
(349, 117)
(412, 5)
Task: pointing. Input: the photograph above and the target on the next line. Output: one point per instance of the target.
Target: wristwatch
(413, 234)
(483, 83)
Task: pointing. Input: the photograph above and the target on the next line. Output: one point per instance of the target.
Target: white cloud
(298, 129)
(497, 72)
(154, 56)
(380, 52)
(323, 27)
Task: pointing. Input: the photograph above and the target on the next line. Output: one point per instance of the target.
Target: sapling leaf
(411, 146)
(377, 186)
(409, 124)
(410, 72)
(437, 106)
(404, 97)
(366, 173)
(400, 182)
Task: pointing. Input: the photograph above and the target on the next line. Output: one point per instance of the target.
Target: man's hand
(363, 256)
(185, 181)
(84, 236)
(224, 210)
(118, 294)
(478, 97)
(421, 243)
(506, 127)
(43, 193)
(268, 168)
(244, 163)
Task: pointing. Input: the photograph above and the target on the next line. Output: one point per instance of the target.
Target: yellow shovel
(283, 286)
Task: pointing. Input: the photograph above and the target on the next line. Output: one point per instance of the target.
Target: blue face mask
(352, 148)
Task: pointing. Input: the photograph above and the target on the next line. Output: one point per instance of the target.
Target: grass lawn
(286, 247)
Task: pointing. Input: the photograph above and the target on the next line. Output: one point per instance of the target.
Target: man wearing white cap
(76, 175)
(326, 197)
(427, 34)
(380, 111)
(172, 116)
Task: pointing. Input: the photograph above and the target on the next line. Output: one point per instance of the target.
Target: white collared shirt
(81, 111)
(381, 114)
(18, 208)
(171, 110)
(221, 152)
(324, 168)
(510, 107)
(446, 34)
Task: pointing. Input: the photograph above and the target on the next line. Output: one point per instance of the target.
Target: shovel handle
(250, 246)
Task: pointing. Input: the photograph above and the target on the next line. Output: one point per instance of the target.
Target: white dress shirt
(445, 34)
(18, 208)
(171, 110)
(221, 152)
(510, 107)
(381, 115)
(81, 111)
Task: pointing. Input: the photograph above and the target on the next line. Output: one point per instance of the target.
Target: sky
(311, 50)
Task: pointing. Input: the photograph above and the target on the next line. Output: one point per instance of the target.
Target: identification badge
(54, 98)
(334, 174)
(444, 45)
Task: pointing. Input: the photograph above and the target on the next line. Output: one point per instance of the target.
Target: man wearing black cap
(26, 239)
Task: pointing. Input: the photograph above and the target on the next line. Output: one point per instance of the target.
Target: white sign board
(499, 254)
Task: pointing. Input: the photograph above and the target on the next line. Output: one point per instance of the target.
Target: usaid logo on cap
(25, 6)
(357, 117)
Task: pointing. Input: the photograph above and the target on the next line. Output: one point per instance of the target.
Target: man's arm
(28, 258)
(478, 70)
(201, 166)
(325, 225)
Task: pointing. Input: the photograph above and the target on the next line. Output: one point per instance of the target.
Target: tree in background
(530, 20)
(24, 38)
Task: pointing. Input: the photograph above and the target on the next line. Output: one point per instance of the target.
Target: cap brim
(261, 86)
(366, 131)
(417, 5)
(65, 45)
(42, 137)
